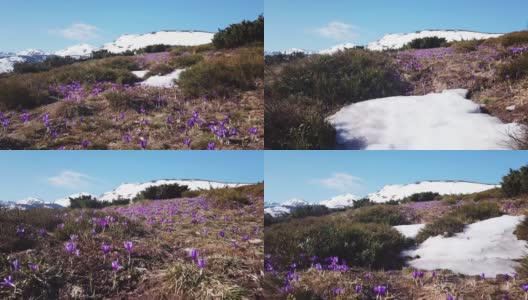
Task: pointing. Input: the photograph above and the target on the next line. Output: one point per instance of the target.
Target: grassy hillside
(206, 247)
(356, 253)
(302, 91)
(98, 103)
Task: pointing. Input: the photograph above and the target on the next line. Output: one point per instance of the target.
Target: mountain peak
(31, 52)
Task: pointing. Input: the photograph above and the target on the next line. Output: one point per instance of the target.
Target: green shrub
(467, 45)
(380, 214)
(46, 65)
(120, 62)
(187, 60)
(455, 221)
(160, 69)
(360, 245)
(522, 230)
(292, 123)
(24, 91)
(223, 76)
(495, 193)
(160, 192)
(309, 211)
(227, 197)
(446, 226)
(156, 48)
(85, 202)
(515, 183)
(515, 69)
(240, 34)
(422, 197)
(426, 43)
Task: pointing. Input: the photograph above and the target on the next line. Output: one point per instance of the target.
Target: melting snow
(164, 81)
(140, 74)
(409, 231)
(400, 191)
(440, 121)
(488, 247)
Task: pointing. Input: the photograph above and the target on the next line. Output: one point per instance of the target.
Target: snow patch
(398, 40)
(439, 121)
(140, 74)
(401, 191)
(164, 81)
(337, 48)
(488, 247)
(409, 231)
(77, 51)
(340, 201)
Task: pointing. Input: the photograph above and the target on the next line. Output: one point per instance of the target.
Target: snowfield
(337, 48)
(140, 74)
(401, 191)
(409, 231)
(163, 81)
(488, 247)
(130, 190)
(173, 38)
(77, 51)
(340, 201)
(398, 40)
(277, 211)
(439, 121)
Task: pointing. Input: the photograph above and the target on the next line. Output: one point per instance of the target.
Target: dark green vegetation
(515, 183)
(89, 202)
(422, 197)
(515, 69)
(224, 75)
(456, 220)
(301, 94)
(426, 43)
(161, 192)
(240, 34)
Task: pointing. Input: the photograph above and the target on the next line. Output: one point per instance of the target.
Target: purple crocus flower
(201, 263)
(16, 265)
(187, 142)
(144, 144)
(368, 276)
(380, 290)
(127, 138)
(338, 291)
(43, 232)
(8, 282)
(525, 288)
(70, 247)
(194, 254)
(128, 246)
(211, 146)
(318, 266)
(115, 265)
(170, 120)
(221, 234)
(20, 231)
(449, 297)
(358, 288)
(105, 248)
(85, 144)
(253, 131)
(33, 267)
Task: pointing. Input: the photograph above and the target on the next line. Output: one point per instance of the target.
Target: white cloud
(71, 179)
(338, 30)
(78, 31)
(341, 182)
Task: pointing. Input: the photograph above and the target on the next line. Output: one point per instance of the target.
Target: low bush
(227, 197)
(240, 34)
(191, 194)
(156, 48)
(511, 39)
(24, 91)
(467, 45)
(521, 231)
(360, 245)
(492, 194)
(186, 60)
(280, 58)
(85, 201)
(161, 192)
(309, 211)
(426, 43)
(294, 123)
(160, 69)
(46, 65)
(515, 183)
(515, 69)
(422, 197)
(455, 221)
(225, 75)
(380, 214)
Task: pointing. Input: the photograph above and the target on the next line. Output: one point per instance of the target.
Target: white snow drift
(488, 247)
(164, 81)
(173, 38)
(130, 190)
(340, 201)
(440, 121)
(401, 191)
(398, 40)
(409, 231)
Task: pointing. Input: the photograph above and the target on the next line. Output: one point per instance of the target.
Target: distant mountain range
(124, 43)
(398, 40)
(387, 193)
(123, 191)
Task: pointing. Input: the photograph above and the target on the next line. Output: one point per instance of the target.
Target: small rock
(255, 241)
(510, 108)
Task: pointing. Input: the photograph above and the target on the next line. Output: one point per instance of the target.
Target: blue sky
(50, 175)
(319, 175)
(317, 24)
(55, 24)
